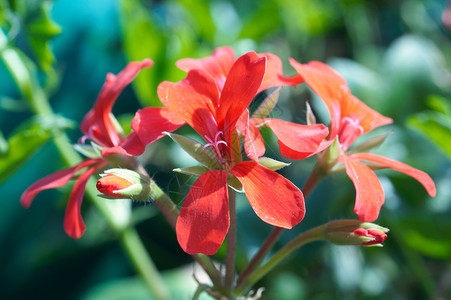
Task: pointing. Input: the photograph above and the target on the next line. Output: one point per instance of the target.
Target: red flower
(218, 66)
(98, 126)
(351, 118)
(211, 99)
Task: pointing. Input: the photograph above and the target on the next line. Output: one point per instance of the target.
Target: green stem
(260, 255)
(311, 235)
(315, 176)
(145, 267)
(231, 244)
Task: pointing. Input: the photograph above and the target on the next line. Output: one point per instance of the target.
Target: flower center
(214, 144)
(350, 130)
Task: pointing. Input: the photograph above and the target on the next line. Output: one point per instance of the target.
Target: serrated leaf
(272, 163)
(27, 139)
(267, 105)
(196, 150)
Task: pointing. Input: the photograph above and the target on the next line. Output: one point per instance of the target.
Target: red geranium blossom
(211, 99)
(351, 118)
(98, 126)
(218, 65)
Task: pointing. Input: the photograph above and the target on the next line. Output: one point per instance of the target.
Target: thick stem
(231, 243)
(313, 179)
(311, 235)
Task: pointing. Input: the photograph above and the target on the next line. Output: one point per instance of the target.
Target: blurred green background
(394, 55)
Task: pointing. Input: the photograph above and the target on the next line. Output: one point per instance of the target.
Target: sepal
(267, 105)
(329, 157)
(272, 164)
(369, 145)
(192, 171)
(196, 150)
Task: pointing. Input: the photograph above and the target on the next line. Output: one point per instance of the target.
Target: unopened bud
(354, 232)
(123, 183)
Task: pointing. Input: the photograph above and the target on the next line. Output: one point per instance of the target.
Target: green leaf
(41, 30)
(436, 127)
(27, 139)
(3, 145)
(143, 39)
(200, 10)
(255, 28)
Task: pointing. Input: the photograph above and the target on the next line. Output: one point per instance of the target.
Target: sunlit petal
(274, 198)
(204, 218)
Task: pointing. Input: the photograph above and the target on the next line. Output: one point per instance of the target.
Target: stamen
(350, 131)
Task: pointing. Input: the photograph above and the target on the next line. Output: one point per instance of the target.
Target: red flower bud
(377, 236)
(110, 184)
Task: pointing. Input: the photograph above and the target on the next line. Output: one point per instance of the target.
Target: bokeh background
(395, 56)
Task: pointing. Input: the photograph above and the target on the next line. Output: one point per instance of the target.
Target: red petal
(217, 65)
(150, 122)
(240, 88)
(130, 146)
(369, 118)
(297, 141)
(274, 73)
(194, 99)
(420, 176)
(73, 222)
(369, 193)
(274, 198)
(52, 181)
(332, 88)
(254, 145)
(97, 125)
(204, 218)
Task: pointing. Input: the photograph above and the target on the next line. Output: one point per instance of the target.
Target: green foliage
(436, 123)
(27, 139)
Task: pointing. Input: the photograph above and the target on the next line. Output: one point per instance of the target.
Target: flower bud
(123, 183)
(354, 232)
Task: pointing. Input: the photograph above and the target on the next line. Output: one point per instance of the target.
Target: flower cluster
(214, 100)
